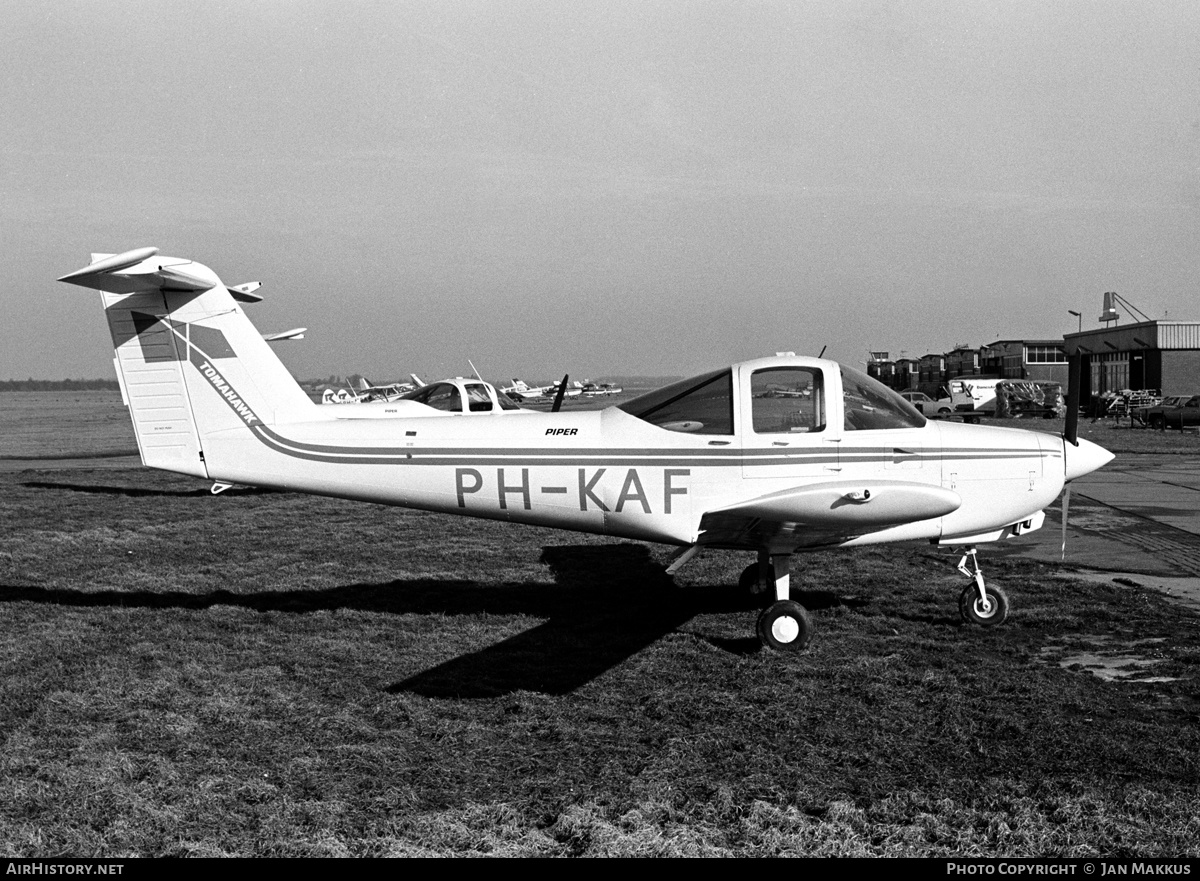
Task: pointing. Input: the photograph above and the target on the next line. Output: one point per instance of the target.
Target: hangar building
(1162, 355)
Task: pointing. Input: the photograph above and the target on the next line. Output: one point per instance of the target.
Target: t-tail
(182, 346)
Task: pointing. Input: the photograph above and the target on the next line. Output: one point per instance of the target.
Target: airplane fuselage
(610, 473)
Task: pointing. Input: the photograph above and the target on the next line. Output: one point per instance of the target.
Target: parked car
(927, 405)
(1175, 411)
(1156, 407)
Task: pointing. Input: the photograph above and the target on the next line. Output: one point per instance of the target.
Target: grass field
(280, 675)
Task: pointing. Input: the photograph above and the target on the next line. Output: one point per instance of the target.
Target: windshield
(700, 405)
(870, 404)
(506, 403)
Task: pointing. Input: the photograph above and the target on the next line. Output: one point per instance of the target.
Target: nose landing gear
(980, 604)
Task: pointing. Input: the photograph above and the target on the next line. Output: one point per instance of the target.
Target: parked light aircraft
(457, 396)
(520, 389)
(600, 389)
(563, 389)
(709, 462)
(369, 391)
(463, 395)
(364, 391)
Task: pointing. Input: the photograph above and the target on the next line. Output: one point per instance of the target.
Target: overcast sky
(650, 187)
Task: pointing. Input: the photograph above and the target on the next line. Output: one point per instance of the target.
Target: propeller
(558, 398)
(1066, 507)
(1071, 429)
(1070, 435)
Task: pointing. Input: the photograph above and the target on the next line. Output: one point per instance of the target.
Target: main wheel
(785, 626)
(987, 612)
(750, 585)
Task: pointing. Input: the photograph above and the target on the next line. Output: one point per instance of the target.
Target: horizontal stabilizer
(296, 333)
(102, 263)
(245, 292)
(141, 271)
(867, 504)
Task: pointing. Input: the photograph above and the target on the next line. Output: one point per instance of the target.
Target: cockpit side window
(787, 400)
(869, 404)
(700, 405)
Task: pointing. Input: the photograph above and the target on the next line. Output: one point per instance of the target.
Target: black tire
(750, 586)
(1158, 423)
(784, 626)
(986, 614)
(944, 411)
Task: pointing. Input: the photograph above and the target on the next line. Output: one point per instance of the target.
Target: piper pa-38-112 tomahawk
(720, 460)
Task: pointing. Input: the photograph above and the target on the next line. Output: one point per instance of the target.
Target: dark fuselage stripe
(526, 457)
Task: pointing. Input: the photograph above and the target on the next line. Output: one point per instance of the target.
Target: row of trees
(58, 385)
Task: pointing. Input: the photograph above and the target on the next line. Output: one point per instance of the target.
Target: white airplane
(520, 389)
(464, 396)
(707, 462)
(600, 389)
(562, 389)
(367, 391)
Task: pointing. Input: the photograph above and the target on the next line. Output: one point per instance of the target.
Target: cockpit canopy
(784, 399)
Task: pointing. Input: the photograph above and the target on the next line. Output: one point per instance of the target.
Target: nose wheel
(978, 603)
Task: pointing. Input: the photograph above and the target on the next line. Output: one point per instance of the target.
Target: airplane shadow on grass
(607, 603)
(140, 492)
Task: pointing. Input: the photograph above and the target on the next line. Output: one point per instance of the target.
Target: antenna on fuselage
(823, 348)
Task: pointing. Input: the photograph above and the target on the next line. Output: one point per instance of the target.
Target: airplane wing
(825, 513)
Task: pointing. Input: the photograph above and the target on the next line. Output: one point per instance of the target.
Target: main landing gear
(784, 624)
(980, 604)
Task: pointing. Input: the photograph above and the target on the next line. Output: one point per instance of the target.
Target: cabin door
(785, 428)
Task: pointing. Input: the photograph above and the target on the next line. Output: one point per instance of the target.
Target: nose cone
(1084, 457)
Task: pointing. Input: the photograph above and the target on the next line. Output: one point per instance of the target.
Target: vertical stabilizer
(183, 346)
